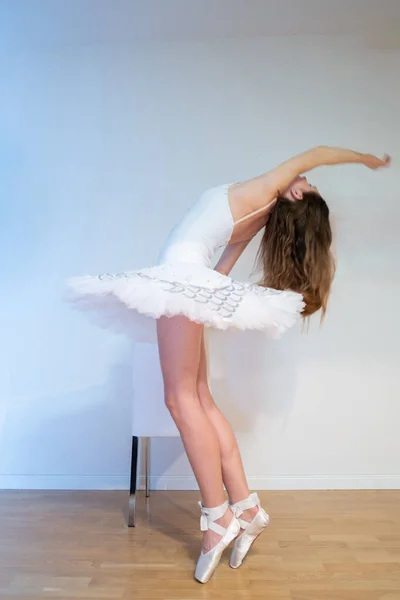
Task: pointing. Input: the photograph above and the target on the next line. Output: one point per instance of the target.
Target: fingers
(381, 163)
(373, 162)
(387, 161)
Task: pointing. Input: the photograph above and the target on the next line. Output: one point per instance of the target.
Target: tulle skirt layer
(130, 302)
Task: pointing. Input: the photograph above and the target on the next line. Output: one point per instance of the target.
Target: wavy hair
(295, 251)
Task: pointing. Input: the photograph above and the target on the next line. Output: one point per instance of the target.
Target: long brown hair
(295, 251)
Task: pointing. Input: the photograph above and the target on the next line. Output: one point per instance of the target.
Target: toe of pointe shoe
(204, 569)
(244, 542)
(236, 559)
(208, 561)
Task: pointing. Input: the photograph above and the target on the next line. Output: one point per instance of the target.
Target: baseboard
(295, 482)
(187, 482)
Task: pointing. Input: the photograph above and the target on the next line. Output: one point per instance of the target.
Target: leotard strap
(255, 212)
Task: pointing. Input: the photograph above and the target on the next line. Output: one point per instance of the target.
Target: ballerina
(183, 293)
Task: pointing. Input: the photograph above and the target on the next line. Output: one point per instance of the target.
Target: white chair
(150, 417)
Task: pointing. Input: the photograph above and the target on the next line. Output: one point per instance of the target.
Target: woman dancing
(183, 293)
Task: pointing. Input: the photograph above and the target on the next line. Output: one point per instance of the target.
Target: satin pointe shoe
(252, 529)
(208, 561)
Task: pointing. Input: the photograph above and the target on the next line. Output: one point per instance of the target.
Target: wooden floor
(320, 546)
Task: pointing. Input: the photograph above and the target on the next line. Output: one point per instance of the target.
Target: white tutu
(129, 302)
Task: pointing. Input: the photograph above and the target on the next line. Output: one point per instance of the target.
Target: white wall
(101, 150)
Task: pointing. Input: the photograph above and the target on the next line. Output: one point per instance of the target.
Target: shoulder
(248, 196)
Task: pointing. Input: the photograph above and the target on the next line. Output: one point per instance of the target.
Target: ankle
(249, 514)
(247, 508)
(210, 537)
(226, 518)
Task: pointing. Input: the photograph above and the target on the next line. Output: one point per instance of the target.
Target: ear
(297, 193)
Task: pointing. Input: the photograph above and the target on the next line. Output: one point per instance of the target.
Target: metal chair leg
(133, 484)
(147, 465)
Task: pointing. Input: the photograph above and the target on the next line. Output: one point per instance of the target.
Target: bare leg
(232, 467)
(179, 341)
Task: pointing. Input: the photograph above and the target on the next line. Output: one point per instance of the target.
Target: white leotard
(207, 226)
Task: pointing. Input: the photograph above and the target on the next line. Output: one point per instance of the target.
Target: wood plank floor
(319, 546)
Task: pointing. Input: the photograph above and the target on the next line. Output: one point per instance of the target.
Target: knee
(173, 400)
(179, 400)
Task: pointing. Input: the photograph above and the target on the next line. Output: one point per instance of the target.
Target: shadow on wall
(252, 375)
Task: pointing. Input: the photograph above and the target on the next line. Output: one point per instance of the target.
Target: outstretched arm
(279, 178)
(330, 155)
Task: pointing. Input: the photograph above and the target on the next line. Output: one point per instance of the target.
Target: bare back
(249, 208)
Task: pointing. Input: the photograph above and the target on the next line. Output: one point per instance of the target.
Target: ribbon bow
(203, 519)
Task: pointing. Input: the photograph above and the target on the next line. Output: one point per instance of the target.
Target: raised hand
(373, 162)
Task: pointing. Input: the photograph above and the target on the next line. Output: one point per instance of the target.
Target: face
(297, 188)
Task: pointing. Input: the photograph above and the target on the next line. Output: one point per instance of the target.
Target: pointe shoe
(208, 561)
(252, 529)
